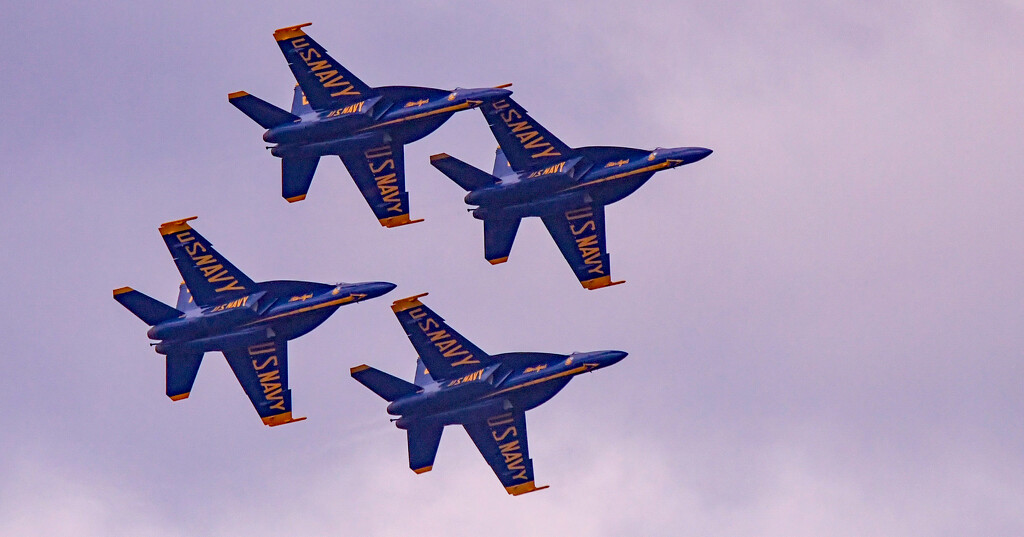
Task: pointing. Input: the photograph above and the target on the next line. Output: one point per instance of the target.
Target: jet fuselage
(523, 380)
(561, 186)
(411, 114)
(288, 309)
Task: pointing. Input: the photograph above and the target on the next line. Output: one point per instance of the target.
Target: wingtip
(180, 396)
(498, 261)
(598, 283)
(293, 199)
(281, 419)
(237, 94)
(290, 31)
(396, 221)
(357, 369)
(403, 304)
(423, 470)
(122, 290)
(174, 226)
(523, 488)
(439, 156)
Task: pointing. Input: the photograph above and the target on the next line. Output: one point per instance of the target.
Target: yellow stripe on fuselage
(573, 371)
(454, 108)
(337, 302)
(654, 168)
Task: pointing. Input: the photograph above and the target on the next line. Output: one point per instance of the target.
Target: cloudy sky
(823, 318)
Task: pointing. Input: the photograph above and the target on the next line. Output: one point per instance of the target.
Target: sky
(823, 317)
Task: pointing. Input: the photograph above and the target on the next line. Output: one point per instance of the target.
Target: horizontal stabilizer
(296, 176)
(464, 175)
(387, 386)
(260, 111)
(499, 234)
(182, 369)
(423, 442)
(149, 309)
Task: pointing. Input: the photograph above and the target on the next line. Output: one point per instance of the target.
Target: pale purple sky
(823, 318)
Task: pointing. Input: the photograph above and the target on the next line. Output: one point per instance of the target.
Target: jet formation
(219, 308)
(457, 383)
(335, 113)
(536, 174)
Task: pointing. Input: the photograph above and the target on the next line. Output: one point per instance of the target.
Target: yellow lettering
(320, 65)
(264, 365)
(506, 432)
(428, 324)
(589, 225)
(389, 163)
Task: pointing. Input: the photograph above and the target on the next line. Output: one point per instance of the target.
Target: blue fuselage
(398, 115)
(280, 309)
(601, 175)
(523, 380)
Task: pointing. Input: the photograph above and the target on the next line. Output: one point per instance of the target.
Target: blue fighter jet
(536, 174)
(220, 309)
(335, 113)
(459, 384)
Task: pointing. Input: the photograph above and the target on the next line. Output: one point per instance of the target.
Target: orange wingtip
(423, 470)
(291, 31)
(237, 94)
(293, 199)
(280, 419)
(395, 221)
(180, 396)
(503, 86)
(175, 226)
(358, 368)
(403, 304)
(523, 488)
(597, 283)
(439, 156)
(498, 261)
(122, 290)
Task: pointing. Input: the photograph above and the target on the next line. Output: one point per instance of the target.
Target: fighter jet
(459, 384)
(536, 174)
(335, 113)
(220, 309)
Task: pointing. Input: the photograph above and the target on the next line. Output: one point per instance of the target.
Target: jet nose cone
(603, 358)
(693, 154)
(613, 357)
(375, 289)
(487, 94)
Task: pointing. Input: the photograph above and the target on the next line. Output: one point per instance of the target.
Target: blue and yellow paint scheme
(220, 309)
(536, 174)
(459, 384)
(335, 113)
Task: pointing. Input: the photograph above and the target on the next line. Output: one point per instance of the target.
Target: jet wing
(379, 172)
(262, 370)
(445, 353)
(210, 277)
(501, 439)
(324, 81)
(579, 234)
